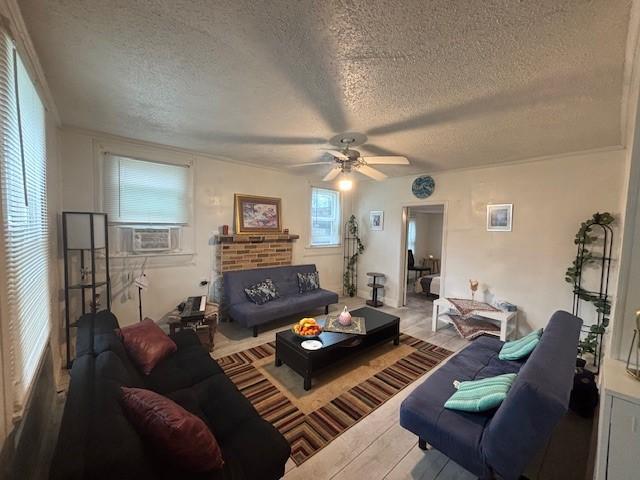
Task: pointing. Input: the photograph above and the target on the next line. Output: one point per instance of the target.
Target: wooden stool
(374, 302)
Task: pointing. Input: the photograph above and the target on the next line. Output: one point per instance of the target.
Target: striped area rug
(309, 433)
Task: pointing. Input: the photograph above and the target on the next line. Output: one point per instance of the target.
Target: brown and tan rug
(338, 400)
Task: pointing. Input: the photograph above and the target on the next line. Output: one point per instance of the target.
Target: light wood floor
(378, 448)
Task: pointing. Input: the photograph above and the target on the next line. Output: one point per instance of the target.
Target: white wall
(174, 278)
(428, 235)
(551, 197)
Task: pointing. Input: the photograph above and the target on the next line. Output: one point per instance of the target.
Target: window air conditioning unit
(151, 239)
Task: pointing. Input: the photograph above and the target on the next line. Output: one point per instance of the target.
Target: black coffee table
(338, 347)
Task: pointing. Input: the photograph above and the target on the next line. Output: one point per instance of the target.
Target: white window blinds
(25, 235)
(325, 217)
(141, 191)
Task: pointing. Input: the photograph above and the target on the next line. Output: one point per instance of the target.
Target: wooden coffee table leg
(278, 362)
(307, 383)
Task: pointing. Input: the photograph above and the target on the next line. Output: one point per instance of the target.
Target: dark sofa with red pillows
(97, 440)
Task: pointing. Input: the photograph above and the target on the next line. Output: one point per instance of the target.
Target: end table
(508, 320)
(205, 329)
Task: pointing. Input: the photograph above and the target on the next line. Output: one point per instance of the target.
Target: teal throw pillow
(518, 349)
(480, 395)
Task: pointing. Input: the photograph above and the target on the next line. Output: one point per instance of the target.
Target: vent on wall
(140, 240)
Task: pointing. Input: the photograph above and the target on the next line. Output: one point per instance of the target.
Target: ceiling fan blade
(337, 154)
(386, 160)
(331, 175)
(308, 164)
(371, 172)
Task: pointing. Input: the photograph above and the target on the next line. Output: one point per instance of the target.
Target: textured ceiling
(447, 83)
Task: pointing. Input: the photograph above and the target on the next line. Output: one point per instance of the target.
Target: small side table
(508, 320)
(375, 286)
(433, 264)
(205, 329)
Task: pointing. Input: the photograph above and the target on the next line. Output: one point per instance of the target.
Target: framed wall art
(500, 217)
(376, 220)
(255, 214)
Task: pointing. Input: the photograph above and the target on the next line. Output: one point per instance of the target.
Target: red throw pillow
(147, 344)
(180, 436)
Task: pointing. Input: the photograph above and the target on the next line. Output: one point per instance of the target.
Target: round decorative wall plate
(423, 186)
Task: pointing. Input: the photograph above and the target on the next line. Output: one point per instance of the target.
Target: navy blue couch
(241, 309)
(499, 443)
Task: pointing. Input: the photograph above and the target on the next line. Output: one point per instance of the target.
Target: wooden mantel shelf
(256, 238)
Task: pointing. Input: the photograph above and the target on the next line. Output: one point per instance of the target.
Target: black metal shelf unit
(599, 297)
(84, 235)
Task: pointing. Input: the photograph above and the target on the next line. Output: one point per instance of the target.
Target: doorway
(422, 272)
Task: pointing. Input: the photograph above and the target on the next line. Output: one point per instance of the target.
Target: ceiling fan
(347, 160)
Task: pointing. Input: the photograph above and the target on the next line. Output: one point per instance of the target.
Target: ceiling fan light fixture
(345, 183)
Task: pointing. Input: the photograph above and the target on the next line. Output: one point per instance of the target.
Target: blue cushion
(522, 347)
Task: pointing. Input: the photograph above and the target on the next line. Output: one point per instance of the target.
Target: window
(24, 253)
(143, 191)
(325, 217)
(411, 235)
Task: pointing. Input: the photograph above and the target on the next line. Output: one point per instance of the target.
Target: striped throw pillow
(480, 395)
(520, 348)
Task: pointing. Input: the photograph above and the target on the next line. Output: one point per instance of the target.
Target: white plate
(311, 344)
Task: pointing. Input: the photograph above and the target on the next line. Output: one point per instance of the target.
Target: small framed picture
(499, 217)
(376, 219)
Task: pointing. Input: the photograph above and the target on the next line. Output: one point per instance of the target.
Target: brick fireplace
(239, 252)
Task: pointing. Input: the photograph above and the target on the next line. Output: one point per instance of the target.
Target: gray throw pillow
(262, 292)
(307, 282)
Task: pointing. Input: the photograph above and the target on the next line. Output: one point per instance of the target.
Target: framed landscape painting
(499, 217)
(257, 214)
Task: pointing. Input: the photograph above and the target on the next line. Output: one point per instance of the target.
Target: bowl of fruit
(307, 328)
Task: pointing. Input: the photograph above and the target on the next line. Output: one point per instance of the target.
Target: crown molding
(109, 137)
(511, 163)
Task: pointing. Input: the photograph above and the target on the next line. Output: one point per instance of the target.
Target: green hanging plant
(348, 283)
(587, 237)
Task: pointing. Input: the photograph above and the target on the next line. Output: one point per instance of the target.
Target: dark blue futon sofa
(249, 314)
(499, 443)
